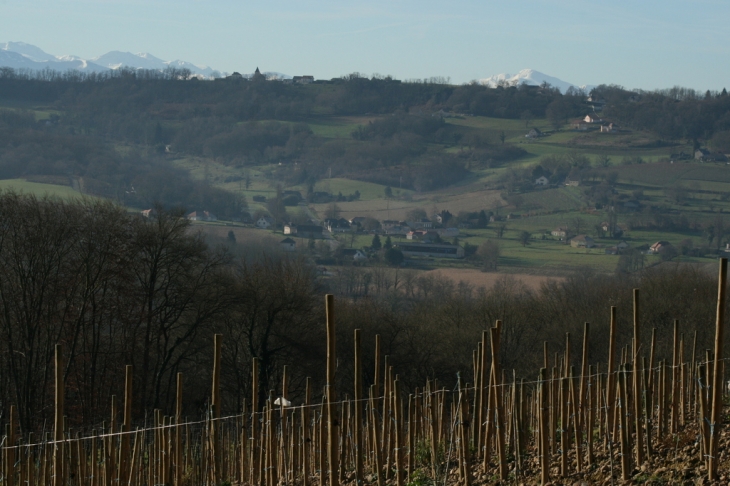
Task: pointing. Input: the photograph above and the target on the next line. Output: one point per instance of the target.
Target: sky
(645, 44)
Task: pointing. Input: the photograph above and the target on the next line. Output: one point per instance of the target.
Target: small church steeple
(257, 74)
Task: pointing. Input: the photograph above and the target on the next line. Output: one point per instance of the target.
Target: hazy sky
(638, 44)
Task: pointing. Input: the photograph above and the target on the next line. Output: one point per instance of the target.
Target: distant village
(434, 237)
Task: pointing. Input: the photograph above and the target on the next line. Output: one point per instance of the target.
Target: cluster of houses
(423, 239)
(585, 241)
(594, 121)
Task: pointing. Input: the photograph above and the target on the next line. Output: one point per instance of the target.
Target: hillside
(387, 150)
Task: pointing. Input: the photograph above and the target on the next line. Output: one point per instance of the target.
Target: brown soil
(478, 278)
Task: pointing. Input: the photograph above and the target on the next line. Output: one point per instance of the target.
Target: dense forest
(117, 289)
(115, 130)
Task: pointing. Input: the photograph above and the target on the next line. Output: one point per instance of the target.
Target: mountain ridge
(21, 55)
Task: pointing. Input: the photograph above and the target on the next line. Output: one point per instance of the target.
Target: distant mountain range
(19, 55)
(533, 78)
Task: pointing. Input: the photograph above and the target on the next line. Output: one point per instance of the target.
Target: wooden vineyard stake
(692, 371)
(563, 394)
(216, 409)
(717, 383)
(703, 415)
(376, 438)
(674, 411)
(623, 425)
(411, 435)
(255, 470)
(398, 435)
(432, 418)
(9, 473)
(178, 466)
(544, 422)
(58, 450)
(498, 407)
(332, 434)
(583, 377)
(480, 415)
(591, 414)
(576, 421)
(306, 434)
(637, 384)
(647, 407)
(358, 450)
(126, 426)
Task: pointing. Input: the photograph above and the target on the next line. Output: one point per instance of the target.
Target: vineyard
(631, 419)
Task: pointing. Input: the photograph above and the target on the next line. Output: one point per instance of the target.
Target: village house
(202, 216)
(423, 223)
(397, 229)
(701, 154)
(560, 232)
(610, 128)
(582, 241)
(287, 244)
(357, 220)
(534, 133)
(303, 230)
(659, 247)
(447, 232)
(423, 235)
(542, 181)
(358, 256)
(592, 118)
(303, 79)
(615, 250)
(572, 182)
(264, 222)
(340, 225)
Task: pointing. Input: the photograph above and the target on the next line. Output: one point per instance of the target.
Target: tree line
(116, 288)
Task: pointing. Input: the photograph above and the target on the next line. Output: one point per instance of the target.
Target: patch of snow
(531, 78)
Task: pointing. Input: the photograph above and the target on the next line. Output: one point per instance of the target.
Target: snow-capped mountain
(17, 60)
(143, 60)
(533, 78)
(19, 55)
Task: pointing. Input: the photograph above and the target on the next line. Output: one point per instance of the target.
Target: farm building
(534, 133)
(582, 241)
(202, 216)
(659, 246)
(287, 244)
(431, 250)
(303, 230)
(264, 222)
(356, 255)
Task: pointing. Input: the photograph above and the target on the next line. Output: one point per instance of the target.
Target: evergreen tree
(388, 244)
(483, 220)
(376, 245)
(394, 257)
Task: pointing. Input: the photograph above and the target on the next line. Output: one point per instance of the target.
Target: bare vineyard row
(497, 427)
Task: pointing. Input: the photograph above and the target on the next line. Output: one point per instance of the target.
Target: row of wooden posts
(493, 426)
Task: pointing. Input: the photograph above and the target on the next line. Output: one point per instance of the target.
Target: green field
(368, 190)
(38, 189)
